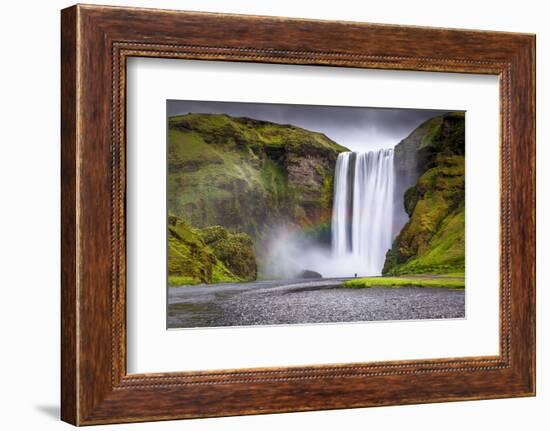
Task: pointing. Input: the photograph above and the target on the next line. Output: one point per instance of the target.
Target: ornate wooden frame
(95, 43)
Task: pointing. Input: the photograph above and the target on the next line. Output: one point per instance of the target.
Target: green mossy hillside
(432, 241)
(248, 175)
(191, 260)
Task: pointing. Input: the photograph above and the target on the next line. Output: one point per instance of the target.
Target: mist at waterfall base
(362, 224)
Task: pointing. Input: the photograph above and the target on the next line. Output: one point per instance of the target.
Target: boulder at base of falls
(307, 273)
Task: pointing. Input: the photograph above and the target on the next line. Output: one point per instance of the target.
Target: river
(305, 301)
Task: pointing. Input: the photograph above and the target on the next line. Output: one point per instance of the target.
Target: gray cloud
(357, 128)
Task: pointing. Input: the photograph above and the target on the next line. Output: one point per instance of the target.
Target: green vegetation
(434, 282)
(176, 280)
(432, 241)
(191, 260)
(234, 250)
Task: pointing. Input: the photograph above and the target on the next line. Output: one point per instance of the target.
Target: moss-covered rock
(234, 250)
(191, 260)
(432, 240)
(248, 175)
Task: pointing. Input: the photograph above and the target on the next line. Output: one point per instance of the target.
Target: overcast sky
(359, 129)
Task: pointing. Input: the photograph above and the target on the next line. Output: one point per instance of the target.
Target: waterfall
(362, 211)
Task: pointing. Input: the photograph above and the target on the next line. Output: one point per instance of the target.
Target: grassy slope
(198, 171)
(451, 283)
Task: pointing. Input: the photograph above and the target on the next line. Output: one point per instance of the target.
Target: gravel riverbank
(305, 301)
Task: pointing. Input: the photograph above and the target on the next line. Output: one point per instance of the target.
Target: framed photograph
(264, 214)
(273, 223)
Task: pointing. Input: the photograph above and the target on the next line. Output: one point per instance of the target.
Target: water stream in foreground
(305, 301)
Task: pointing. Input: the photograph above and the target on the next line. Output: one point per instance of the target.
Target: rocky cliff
(429, 166)
(248, 175)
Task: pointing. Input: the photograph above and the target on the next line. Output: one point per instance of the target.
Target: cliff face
(429, 167)
(248, 175)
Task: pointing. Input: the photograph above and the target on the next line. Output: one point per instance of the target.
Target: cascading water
(362, 211)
